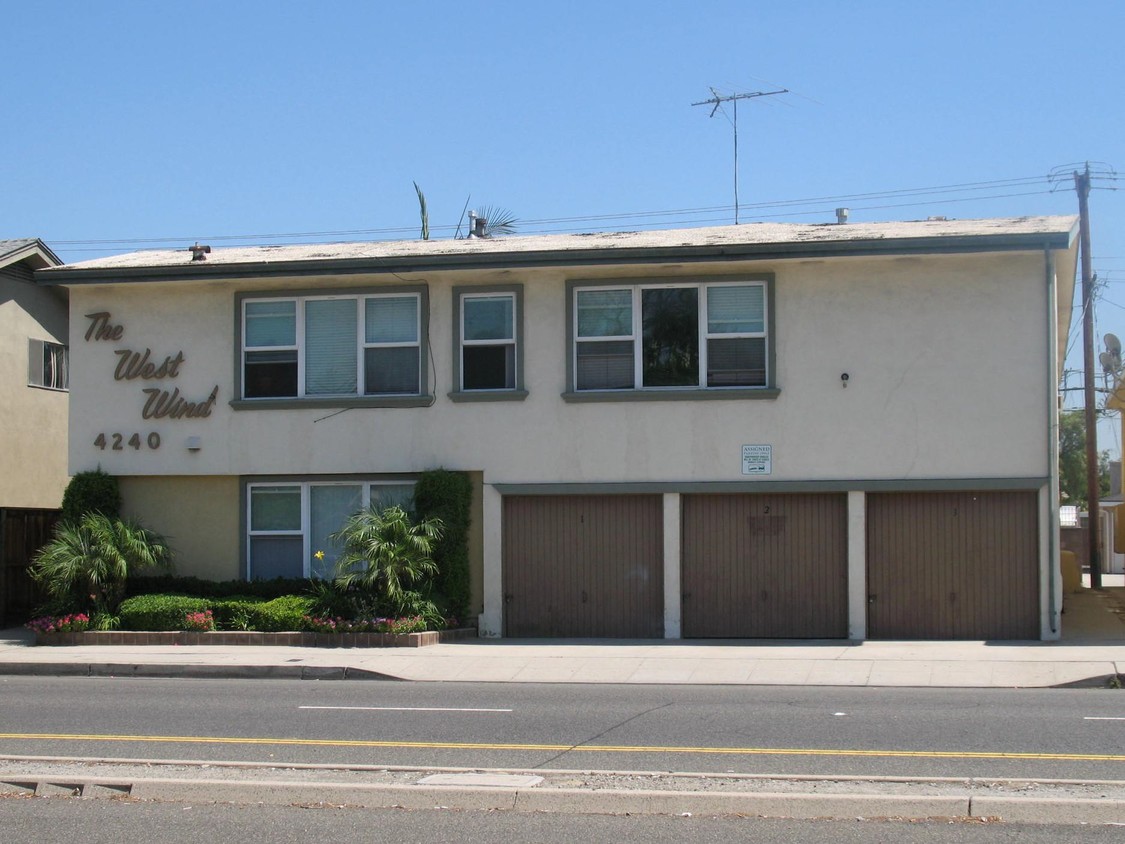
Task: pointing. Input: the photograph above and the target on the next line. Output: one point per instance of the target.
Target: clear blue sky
(145, 124)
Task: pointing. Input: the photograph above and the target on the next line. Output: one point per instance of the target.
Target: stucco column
(491, 622)
(857, 565)
(672, 625)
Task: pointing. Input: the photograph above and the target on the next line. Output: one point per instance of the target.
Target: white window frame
(305, 531)
(361, 344)
(364, 345)
(637, 335)
(511, 341)
(37, 369)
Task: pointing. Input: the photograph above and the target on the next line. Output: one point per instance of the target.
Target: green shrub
(169, 612)
(265, 590)
(248, 613)
(89, 561)
(284, 613)
(91, 492)
(448, 496)
(384, 554)
(159, 612)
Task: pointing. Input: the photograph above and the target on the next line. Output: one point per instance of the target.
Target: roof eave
(34, 249)
(599, 256)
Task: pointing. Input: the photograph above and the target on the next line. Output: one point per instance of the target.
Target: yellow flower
(319, 555)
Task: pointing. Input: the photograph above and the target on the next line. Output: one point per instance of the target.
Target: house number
(117, 442)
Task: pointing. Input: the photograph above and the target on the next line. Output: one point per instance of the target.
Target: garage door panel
(583, 566)
(953, 565)
(764, 566)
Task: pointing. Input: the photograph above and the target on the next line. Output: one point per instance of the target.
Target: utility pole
(717, 100)
(1082, 186)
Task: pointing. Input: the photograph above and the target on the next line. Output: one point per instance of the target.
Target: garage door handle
(871, 599)
(508, 598)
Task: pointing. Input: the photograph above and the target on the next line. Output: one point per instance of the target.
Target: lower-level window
(289, 523)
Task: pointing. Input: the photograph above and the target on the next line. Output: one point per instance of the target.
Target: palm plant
(88, 561)
(384, 554)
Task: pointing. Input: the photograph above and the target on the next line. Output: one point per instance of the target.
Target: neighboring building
(799, 431)
(33, 379)
(33, 414)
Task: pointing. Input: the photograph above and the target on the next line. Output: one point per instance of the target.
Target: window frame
(422, 398)
(699, 391)
(58, 379)
(460, 295)
(305, 485)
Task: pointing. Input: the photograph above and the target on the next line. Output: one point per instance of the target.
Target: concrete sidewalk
(1091, 651)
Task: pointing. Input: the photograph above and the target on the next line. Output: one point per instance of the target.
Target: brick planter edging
(238, 637)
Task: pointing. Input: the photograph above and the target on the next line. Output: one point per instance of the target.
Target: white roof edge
(750, 235)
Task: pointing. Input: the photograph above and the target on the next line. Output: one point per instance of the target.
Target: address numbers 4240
(117, 442)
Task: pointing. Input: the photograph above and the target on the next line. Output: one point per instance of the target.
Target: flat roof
(751, 240)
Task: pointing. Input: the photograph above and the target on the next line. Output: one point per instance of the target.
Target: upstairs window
(48, 365)
(332, 346)
(487, 343)
(670, 336)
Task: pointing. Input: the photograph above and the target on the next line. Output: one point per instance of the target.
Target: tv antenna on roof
(717, 101)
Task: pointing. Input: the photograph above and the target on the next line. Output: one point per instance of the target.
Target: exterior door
(953, 565)
(584, 566)
(765, 566)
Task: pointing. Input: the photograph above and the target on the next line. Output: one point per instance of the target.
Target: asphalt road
(1037, 734)
(66, 820)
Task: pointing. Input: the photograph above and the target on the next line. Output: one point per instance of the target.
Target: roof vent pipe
(477, 225)
(841, 215)
(199, 253)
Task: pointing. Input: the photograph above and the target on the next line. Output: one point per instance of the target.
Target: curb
(577, 801)
(201, 672)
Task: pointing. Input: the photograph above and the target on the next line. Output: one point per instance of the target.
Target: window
(487, 343)
(48, 365)
(334, 347)
(289, 524)
(667, 337)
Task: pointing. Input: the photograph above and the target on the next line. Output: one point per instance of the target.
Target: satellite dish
(1109, 363)
(1113, 345)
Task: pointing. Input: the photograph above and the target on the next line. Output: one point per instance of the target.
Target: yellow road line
(585, 748)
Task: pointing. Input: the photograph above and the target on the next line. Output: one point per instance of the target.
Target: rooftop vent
(199, 253)
(841, 215)
(477, 225)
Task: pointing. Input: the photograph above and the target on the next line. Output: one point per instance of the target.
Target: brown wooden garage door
(584, 566)
(765, 566)
(953, 565)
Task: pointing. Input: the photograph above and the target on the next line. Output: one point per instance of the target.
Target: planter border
(226, 638)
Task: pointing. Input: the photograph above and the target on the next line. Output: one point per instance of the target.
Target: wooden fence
(22, 533)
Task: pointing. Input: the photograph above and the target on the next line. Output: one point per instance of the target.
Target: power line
(706, 214)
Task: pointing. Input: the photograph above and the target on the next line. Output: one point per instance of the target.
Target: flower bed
(235, 637)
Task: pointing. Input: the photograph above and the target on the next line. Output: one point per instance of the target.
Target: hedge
(168, 611)
(159, 612)
(448, 496)
(263, 590)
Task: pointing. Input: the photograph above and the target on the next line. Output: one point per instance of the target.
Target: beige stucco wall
(946, 357)
(33, 421)
(199, 516)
